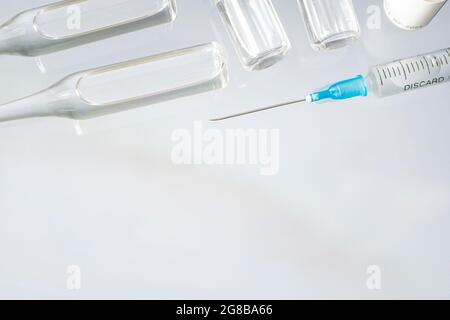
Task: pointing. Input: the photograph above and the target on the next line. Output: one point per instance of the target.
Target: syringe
(384, 80)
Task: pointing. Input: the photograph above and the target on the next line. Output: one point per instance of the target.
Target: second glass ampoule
(126, 85)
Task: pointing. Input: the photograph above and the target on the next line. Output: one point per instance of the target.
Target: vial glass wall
(75, 18)
(162, 77)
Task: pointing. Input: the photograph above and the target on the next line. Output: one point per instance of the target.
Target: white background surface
(363, 182)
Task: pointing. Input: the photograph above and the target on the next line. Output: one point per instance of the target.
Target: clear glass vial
(256, 31)
(330, 23)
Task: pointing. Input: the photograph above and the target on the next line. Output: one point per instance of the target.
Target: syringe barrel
(410, 74)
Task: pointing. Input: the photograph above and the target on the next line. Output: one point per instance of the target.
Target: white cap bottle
(412, 14)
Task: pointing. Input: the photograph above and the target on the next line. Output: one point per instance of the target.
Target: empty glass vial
(330, 23)
(256, 31)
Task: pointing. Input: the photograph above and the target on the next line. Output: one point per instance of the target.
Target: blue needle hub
(346, 89)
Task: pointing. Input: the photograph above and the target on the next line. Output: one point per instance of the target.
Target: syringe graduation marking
(379, 74)
(409, 68)
(428, 66)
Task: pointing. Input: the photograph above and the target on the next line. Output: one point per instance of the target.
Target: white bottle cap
(412, 14)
